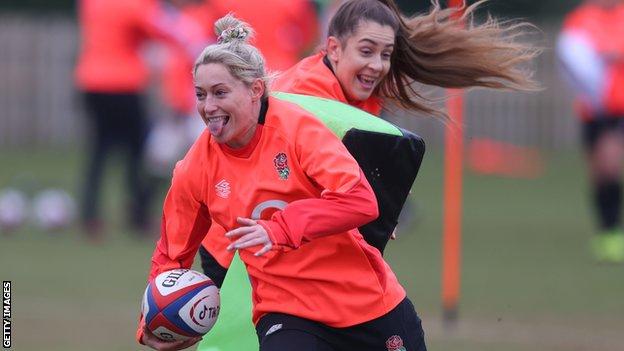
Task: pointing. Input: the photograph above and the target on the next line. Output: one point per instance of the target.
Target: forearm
(332, 213)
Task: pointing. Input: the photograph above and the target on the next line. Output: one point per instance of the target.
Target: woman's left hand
(249, 234)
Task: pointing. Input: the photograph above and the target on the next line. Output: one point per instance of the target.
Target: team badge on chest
(281, 165)
(395, 343)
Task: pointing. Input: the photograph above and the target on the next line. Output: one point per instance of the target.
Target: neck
(247, 134)
(332, 67)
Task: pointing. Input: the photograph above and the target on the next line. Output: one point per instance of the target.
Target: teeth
(367, 79)
(216, 119)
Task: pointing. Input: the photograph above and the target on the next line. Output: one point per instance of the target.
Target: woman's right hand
(155, 343)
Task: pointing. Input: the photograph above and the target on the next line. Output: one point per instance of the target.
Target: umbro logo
(223, 189)
(273, 329)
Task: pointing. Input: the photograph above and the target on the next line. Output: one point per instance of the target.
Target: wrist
(275, 232)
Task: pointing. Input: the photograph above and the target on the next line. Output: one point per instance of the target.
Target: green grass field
(528, 281)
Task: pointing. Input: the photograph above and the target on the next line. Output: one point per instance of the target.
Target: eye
(199, 95)
(366, 51)
(386, 55)
(220, 93)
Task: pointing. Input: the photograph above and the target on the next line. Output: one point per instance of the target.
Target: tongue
(215, 127)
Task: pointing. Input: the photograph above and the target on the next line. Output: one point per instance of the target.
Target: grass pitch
(528, 281)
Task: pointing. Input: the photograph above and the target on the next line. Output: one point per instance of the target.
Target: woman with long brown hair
(374, 58)
(373, 55)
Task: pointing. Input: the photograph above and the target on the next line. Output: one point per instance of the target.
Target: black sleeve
(211, 267)
(390, 164)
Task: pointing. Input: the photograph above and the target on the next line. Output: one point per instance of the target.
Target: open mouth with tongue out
(216, 124)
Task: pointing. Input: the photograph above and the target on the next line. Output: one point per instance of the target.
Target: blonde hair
(243, 60)
(443, 48)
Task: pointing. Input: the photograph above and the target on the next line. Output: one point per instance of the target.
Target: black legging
(116, 119)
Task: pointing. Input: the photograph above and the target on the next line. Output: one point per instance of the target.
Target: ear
(334, 49)
(257, 89)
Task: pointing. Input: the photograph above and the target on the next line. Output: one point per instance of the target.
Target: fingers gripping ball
(180, 304)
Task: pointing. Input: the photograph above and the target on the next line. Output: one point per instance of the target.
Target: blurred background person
(286, 30)
(177, 127)
(112, 77)
(591, 50)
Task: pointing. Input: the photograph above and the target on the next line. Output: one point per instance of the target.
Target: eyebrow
(211, 87)
(374, 42)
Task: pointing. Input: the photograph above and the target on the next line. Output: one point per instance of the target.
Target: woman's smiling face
(363, 60)
(226, 104)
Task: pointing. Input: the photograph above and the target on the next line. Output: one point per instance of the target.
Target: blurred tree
(531, 8)
(411, 7)
(512, 8)
(37, 5)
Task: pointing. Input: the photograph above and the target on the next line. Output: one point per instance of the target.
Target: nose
(376, 64)
(209, 106)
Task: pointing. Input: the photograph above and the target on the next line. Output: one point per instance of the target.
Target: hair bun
(231, 34)
(230, 29)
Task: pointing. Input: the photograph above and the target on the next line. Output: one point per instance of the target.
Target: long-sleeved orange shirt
(113, 32)
(312, 76)
(309, 194)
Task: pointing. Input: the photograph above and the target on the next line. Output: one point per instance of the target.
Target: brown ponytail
(445, 50)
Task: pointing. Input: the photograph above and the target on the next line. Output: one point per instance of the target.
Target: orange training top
(313, 76)
(284, 28)
(300, 180)
(605, 28)
(112, 34)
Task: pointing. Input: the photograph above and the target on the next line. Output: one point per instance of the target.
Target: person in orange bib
(112, 76)
(591, 50)
(290, 197)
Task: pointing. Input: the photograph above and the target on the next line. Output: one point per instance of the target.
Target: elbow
(371, 210)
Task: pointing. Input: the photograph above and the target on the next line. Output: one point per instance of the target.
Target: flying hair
(443, 48)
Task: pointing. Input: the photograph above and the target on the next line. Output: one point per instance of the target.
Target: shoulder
(191, 172)
(196, 158)
(291, 120)
(309, 76)
(285, 114)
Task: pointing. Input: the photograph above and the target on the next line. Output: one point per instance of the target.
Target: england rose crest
(395, 343)
(281, 165)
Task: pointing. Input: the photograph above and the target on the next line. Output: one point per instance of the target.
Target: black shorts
(595, 128)
(397, 330)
